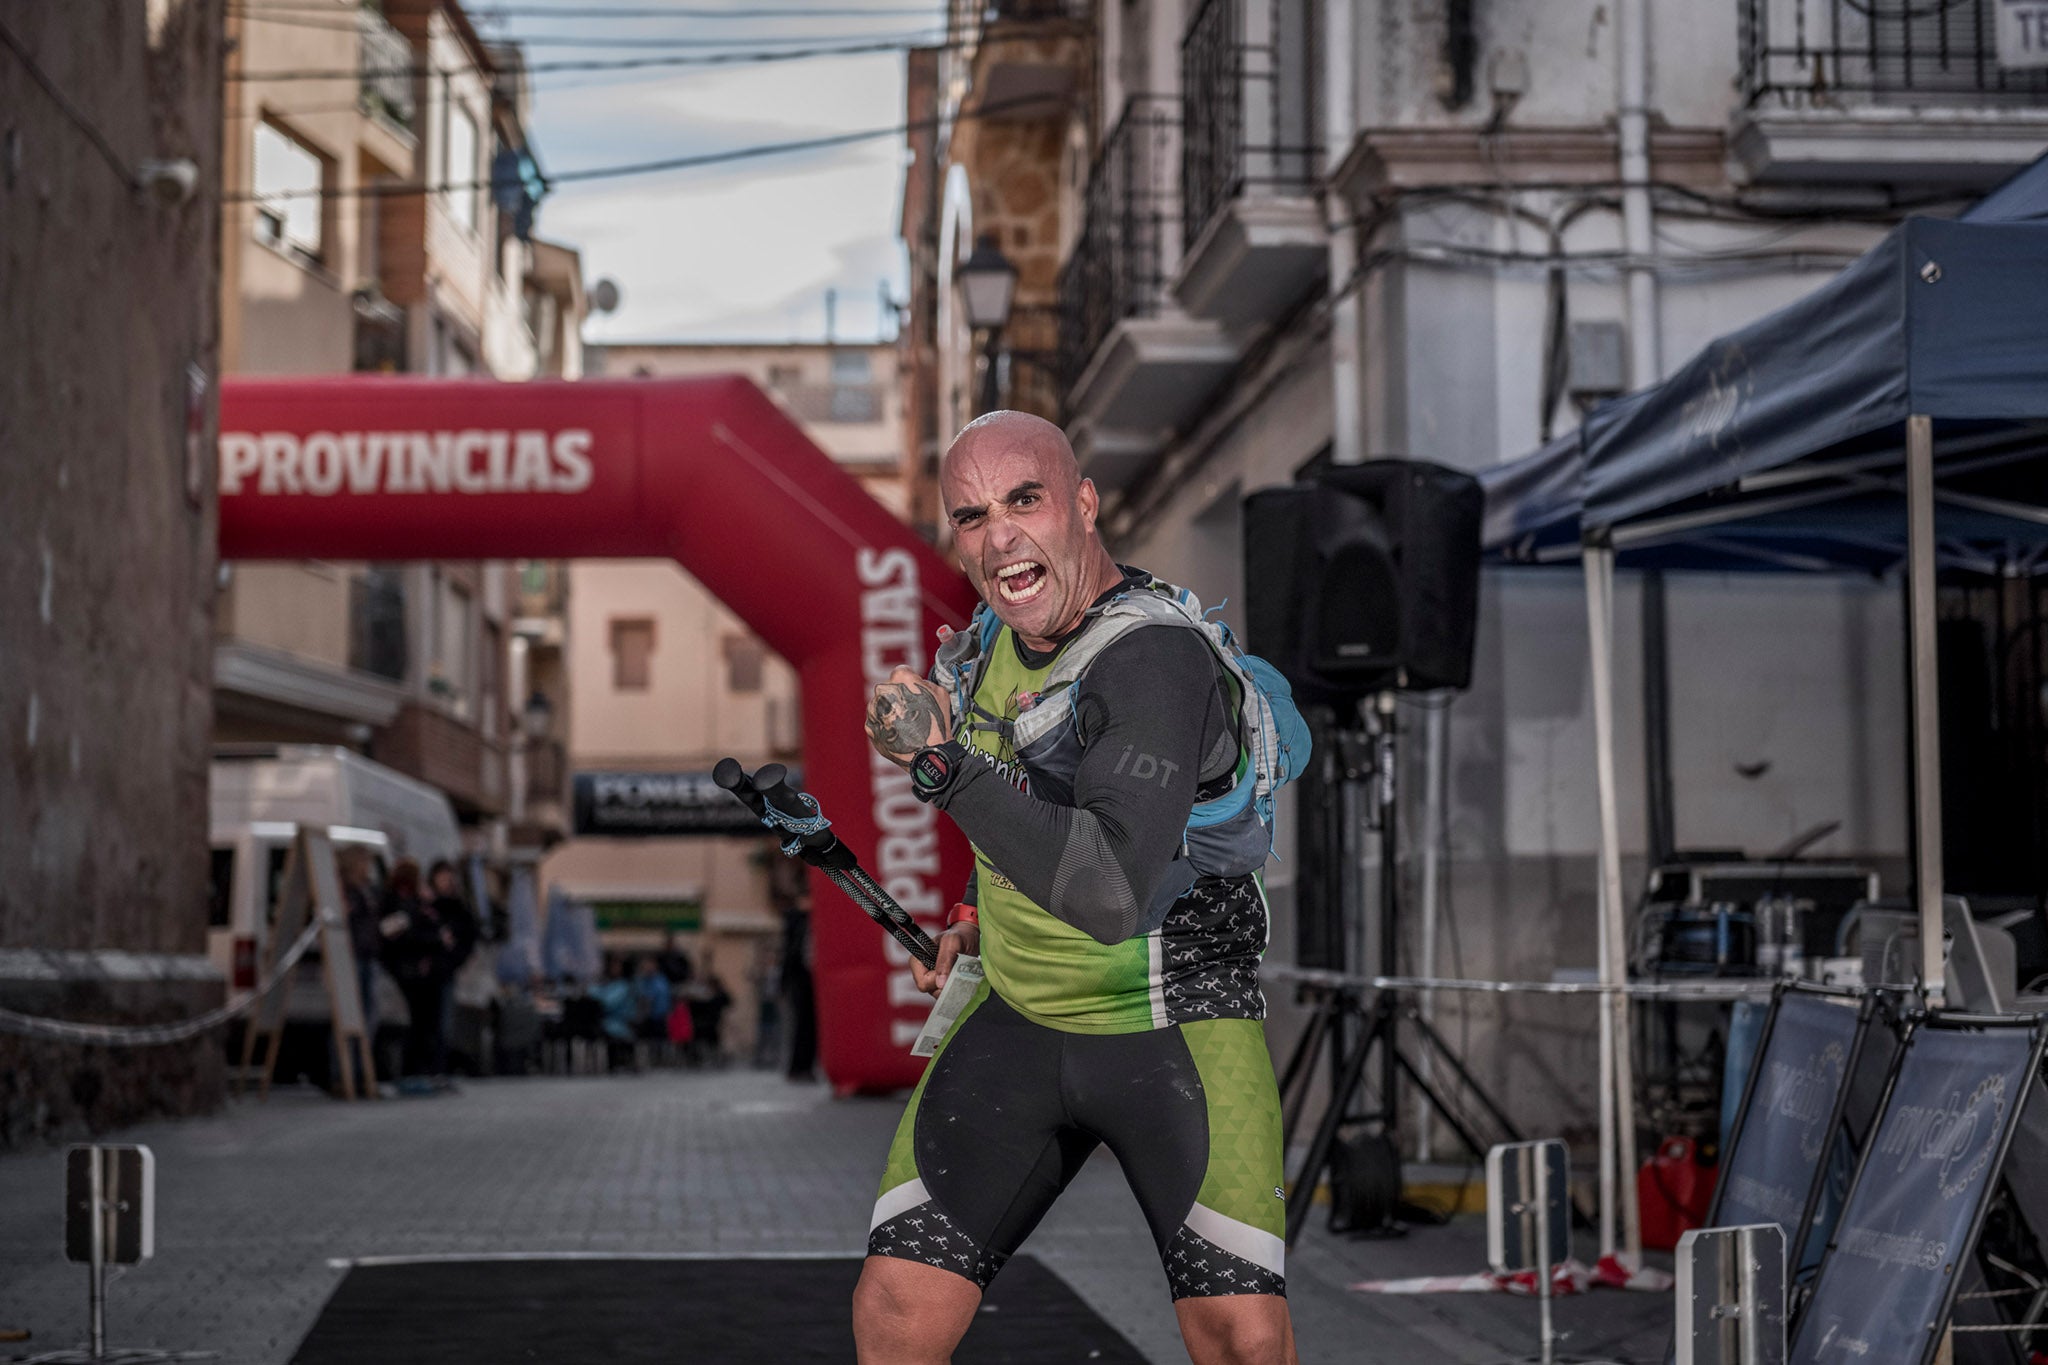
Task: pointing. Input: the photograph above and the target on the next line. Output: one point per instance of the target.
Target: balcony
(444, 752)
(1029, 56)
(1133, 365)
(387, 62)
(1886, 91)
(542, 817)
(547, 774)
(1251, 159)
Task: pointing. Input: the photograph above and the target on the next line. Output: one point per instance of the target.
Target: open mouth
(1022, 581)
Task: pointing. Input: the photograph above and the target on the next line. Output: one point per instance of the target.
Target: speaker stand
(1341, 1009)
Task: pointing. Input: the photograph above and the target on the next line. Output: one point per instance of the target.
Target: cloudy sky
(738, 252)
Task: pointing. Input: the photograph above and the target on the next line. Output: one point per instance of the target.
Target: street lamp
(988, 285)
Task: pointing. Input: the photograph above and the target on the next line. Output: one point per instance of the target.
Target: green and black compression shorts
(1009, 1109)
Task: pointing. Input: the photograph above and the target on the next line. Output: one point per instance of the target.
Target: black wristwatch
(934, 769)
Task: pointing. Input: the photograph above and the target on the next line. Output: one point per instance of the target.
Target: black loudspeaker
(1365, 578)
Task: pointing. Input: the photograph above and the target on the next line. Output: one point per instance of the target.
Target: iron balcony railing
(387, 64)
(1129, 243)
(1250, 110)
(1821, 53)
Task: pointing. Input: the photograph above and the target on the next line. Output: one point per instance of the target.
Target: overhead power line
(900, 44)
(586, 40)
(404, 189)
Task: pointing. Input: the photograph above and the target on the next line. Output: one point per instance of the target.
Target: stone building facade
(111, 276)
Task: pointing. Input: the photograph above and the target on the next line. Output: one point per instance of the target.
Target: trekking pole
(782, 807)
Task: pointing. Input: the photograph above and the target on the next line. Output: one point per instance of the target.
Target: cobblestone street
(256, 1203)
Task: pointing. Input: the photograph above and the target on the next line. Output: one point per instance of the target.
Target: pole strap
(798, 828)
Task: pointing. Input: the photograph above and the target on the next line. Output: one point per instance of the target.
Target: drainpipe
(1340, 121)
(1632, 42)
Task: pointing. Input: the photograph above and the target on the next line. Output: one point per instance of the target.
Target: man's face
(1024, 529)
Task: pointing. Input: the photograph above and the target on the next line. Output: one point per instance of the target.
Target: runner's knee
(906, 1313)
(1235, 1330)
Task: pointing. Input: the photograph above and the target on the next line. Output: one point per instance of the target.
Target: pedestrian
(653, 999)
(618, 1000)
(674, 963)
(1121, 1002)
(419, 950)
(709, 1000)
(452, 910)
(463, 929)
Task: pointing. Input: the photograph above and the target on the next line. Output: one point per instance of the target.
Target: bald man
(1070, 741)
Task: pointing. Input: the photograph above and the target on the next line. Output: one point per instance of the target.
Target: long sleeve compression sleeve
(1151, 724)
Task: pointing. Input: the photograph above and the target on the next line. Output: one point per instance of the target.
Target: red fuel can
(1674, 1188)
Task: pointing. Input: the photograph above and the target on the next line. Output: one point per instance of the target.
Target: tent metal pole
(1435, 735)
(1594, 614)
(1607, 1158)
(1620, 1164)
(1920, 571)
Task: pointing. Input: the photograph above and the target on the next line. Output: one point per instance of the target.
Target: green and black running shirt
(1061, 889)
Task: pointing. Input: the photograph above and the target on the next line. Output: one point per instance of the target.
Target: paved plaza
(256, 1203)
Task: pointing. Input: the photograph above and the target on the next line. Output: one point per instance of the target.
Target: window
(377, 627)
(785, 378)
(489, 674)
(745, 660)
(452, 675)
(461, 164)
(288, 177)
(632, 653)
(854, 395)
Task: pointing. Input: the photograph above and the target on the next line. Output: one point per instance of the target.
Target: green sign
(649, 914)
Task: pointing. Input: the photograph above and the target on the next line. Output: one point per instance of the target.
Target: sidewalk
(254, 1203)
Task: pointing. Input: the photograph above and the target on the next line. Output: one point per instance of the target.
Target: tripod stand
(1341, 1006)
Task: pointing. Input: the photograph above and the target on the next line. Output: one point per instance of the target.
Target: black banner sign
(1785, 1133)
(1906, 1230)
(660, 805)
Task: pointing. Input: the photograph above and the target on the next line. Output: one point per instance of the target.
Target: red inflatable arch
(707, 471)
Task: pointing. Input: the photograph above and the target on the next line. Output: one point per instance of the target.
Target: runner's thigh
(1193, 1114)
(983, 1149)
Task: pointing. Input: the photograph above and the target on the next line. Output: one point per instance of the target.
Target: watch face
(930, 769)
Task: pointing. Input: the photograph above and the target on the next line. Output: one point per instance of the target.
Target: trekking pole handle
(731, 776)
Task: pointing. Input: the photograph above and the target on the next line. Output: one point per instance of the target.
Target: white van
(260, 797)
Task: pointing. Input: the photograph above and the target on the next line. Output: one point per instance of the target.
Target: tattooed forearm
(903, 719)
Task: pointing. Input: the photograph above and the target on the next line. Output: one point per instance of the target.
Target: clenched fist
(908, 713)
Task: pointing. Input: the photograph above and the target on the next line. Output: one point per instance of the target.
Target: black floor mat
(677, 1312)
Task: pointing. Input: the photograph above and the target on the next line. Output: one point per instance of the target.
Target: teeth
(1019, 567)
(1014, 595)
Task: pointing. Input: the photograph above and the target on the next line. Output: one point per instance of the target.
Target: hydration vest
(1228, 835)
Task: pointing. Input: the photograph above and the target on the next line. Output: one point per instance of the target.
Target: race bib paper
(961, 984)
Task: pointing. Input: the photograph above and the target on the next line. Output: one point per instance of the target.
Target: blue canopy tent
(1897, 415)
